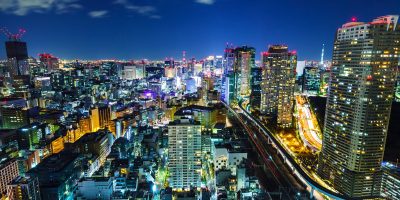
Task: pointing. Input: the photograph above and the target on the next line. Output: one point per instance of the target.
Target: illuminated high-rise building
(229, 59)
(228, 79)
(229, 88)
(397, 90)
(16, 49)
(311, 80)
(324, 82)
(363, 74)
(49, 61)
(244, 61)
(17, 52)
(278, 81)
(256, 79)
(184, 145)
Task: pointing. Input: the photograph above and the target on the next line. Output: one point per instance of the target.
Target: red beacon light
(353, 19)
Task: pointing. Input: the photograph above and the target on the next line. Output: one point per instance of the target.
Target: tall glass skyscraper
(277, 87)
(363, 74)
(244, 61)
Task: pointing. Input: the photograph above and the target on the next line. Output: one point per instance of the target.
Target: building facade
(363, 74)
(390, 185)
(311, 80)
(22, 188)
(8, 171)
(244, 61)
(278, 82)
(184, 145)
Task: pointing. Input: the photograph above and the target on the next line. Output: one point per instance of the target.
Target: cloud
(98, 13)
(24, 7)
(145, 10)
(206, 2)
(155, 16)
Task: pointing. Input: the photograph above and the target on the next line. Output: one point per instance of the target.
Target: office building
(17, 53)
(361, 88)
(58, 175)
(228, 94)
(244, 61)
(49, 61)
(255, 95)
(278, 82)
(16, 49)
(95, 188)
(104, 116)
(94, 119)
(184, 145)
(13, 118)
(324, 82)
(98, 143)
(23, 188)
(311, 80)
(397, 90)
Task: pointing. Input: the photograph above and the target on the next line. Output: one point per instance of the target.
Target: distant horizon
(154, 29)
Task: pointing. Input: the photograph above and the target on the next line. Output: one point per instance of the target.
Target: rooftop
(55, 162)
(21, 180)
(392, 168)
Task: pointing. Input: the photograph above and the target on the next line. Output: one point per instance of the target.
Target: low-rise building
(95, 188)
(22, 188)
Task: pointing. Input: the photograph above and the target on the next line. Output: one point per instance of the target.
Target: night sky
(155, 29)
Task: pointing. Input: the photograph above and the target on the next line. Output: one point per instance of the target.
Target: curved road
(298, 170)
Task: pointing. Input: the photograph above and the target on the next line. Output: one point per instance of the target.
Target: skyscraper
(244, 61)
(49, 61)
(277, 87)
(255, 96)
(16, 49)
(16, 53)
(184, 145)
(311, 80)
(229, 58)
(363, 75)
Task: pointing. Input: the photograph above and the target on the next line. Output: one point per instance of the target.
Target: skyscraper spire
(322, 54)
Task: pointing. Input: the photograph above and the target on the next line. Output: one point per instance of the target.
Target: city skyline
(78, 30)
(200, 99)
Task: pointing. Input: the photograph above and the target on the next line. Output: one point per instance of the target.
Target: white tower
(322, 54)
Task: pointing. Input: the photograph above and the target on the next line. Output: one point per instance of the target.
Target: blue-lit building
(229, 88)
(58, 175)
(390, 185)
(255, 85)
(311, 80)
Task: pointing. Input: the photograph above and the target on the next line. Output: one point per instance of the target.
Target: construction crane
(11, 36)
